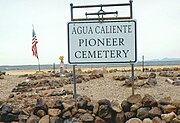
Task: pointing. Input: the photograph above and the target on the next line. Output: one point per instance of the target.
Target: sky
(158, 28)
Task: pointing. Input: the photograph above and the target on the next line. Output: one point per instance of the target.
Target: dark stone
(135, 107)
(143, 113)
(129, 115)
(152, 81)
(157, 120)
(152, 75)
(99, 120)
(120, 118)
(103, 111)
(104, 102)
(33, 119)
(67, 114)
(155, 111)
(165, 101)
(176, 83)
(149, 101)
(6, 108)
(87, 118)
(9, 117)
(56, 120)
(40, 105)
(125, 106)
(168, 109)
(58, 104)
(143, 76)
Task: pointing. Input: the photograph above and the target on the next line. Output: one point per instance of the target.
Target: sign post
(103, 39)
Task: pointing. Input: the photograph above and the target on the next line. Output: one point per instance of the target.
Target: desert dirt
(101, 88)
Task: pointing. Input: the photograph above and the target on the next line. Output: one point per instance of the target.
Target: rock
(90, 106)
(9, 117)
(24, 75)
(152, 75)
(2, 73)
(149, 101)
(155, 111)
(74, 111)
(82, 111)
(129, 115)
(56, 120)
(176, 82)
(54, 112)
(176, 103)
(11, 95)
(134, 99)
(68, 105)
(99, 120)
(120, 118)
(116, 77)
(33, 119)
(152, 81)
(40, 108)
(176, 120)
(139, 83)
(104, 102)
(168, 109)
(143, 76)
(87, 117)
(67, 114)
(143, 113)
(125, 106)
(122, 78)
(6, 108)
(40, 113)
(166, 74)
(165, 101)
(157, 120)
(116, 106)
(169, 81)
(82, 104)
(96, 108)
(134, 120)
(135, 107)
(44, 119)
(1, 77)
(57, 104)
(103, 111)
(128, 82)
(168, 117)
(79, 80)
(147, 120)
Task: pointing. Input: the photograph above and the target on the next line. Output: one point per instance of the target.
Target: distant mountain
(170, 59)
(164, 59)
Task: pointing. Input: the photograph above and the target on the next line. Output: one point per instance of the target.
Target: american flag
(34, 42)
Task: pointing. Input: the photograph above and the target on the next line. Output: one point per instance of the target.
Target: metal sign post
(88, 41)
(132, 65)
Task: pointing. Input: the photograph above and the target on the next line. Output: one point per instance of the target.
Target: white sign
(106, 42)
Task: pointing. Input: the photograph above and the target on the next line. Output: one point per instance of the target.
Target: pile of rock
(30, 85)
(174, 81)
(2, 74)
(135, 109)
(161, 69)
(169, 74)
(151, 80)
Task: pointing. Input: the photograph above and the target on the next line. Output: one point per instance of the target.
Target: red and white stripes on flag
(34, 42)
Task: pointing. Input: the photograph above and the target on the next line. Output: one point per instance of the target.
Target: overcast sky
(158, 28)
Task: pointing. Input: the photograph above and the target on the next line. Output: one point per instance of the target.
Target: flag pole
(36, 50)
(39, 65)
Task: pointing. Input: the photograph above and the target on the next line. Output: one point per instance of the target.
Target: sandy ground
(100, 88)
